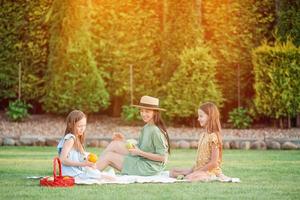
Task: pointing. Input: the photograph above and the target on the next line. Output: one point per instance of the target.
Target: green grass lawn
(264, 175)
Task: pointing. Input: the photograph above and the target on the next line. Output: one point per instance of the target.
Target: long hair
(72, 119)
(161, 125)
(213, 124)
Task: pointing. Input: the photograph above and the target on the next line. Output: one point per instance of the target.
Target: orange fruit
(92, 157)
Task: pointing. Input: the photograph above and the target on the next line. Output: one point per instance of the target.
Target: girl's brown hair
(72, 119)
(213, 124)
(161, 125)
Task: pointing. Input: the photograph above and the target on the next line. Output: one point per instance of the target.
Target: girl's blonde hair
(213, 124)
(72, 119)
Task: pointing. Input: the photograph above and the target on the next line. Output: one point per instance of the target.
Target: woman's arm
(213, 163)
(150, 156)
(64, 156)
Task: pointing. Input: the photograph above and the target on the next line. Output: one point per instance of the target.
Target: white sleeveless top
(73, 155)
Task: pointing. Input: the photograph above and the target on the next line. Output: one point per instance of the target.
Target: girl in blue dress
(71, 150)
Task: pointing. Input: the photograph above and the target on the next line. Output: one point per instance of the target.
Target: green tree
(24, 39)
(127, 33)
(232, 29)
(193, 83)
(9, 51)
(181, 29)
(288, 21)
(277, 72)
(73, 79)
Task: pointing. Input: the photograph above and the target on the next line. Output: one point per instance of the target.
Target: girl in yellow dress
(209, 154)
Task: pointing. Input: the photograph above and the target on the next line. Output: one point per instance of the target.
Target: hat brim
(150, 108)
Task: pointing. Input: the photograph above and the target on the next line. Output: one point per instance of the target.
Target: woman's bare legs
(179, 171)
(112, 159)
(112, 155)
(116, 147)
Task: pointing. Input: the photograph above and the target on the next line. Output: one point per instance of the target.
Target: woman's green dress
(151, 140)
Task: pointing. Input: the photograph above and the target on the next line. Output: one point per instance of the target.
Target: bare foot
(222, 177)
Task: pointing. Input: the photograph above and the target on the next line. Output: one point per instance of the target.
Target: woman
(150, 155)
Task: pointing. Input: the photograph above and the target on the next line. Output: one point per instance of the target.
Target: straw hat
(148, 102)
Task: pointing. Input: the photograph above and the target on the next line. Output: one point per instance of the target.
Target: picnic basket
(57, 181)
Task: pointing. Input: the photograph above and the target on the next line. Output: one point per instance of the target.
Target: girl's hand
(135, 151)
(87, 163)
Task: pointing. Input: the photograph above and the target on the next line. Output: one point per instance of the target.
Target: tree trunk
(198, 11)
(165, 14)
(20, 79)
(164, 49)
(277, 8)
(164, 64)
(281, 122)
(275, 123)
(298, 120)
(194, 122)
(289, 122)
(238, 86)
(116, 107)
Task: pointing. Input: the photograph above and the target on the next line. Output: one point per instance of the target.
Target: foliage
(9, 57)
(24, 39)
(76, 54)
(193, 83)
(239, 118)
(73, 79)
(127, 33)
(277, 72)
(289, 20)
(17, 110)
(181, 29)
(232, 29)
(130, 113)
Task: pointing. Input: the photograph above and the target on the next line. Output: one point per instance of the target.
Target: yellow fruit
(130, 143)
(50, 178)
(129, 146)
(92, 158)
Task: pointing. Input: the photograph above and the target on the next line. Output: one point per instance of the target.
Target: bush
(239, 118)
(74, 80)
(130, 113)
(17, 110)
(193, 83)
(289, 20)
(277, 83)
(24, 39)
(232, 29)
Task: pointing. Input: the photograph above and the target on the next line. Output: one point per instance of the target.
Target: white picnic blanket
(163, 177)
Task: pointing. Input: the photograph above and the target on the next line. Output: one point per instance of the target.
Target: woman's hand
(135, 151)
(118, 137)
